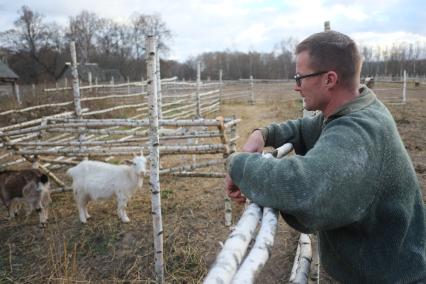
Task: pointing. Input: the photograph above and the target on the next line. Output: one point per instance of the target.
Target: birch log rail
(302, 261)
(228, 268)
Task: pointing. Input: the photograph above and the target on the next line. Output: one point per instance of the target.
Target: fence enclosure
(66, 124)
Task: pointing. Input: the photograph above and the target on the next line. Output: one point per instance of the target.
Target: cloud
(215, 25)
(253, 34)
(388, 39)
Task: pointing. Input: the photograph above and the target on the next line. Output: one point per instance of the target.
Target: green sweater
(351, 181)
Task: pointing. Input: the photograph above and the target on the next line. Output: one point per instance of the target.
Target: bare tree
(34, 40)
(113, 39)
(83, 29)
(143, 25)
(32, 32)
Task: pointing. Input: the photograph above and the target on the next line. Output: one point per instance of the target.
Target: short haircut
(333, 51)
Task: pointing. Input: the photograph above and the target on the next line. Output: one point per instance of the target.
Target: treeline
(38, 50)
(392, 61)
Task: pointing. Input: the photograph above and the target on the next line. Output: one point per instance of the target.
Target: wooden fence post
(128, 85)
(75, 81)
(43, 123)
(154, 159)
(142, 87)
(89, 78)
(159, 92)
(220, 87)
(112, 85)
(198, 90)
(76, 87)
(16, 91)
(252, 99)
(232, 149)
(404, 88)
(327, 26)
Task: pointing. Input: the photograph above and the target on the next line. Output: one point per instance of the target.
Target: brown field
(106, 251)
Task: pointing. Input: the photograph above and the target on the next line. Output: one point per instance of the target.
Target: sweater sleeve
(324, 189)
(302, 133)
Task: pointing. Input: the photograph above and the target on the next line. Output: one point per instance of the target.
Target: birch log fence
(62, 139)
(234, 264)
(178, 103)
(88, 123)
(57, 147)
(392, 91)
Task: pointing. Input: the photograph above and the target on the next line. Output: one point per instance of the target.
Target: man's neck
(339, 97)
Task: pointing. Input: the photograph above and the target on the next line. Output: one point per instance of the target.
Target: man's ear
(331, 79)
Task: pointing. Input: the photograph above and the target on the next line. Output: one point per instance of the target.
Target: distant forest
(38, 50)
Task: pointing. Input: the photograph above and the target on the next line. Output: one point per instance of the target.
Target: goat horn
(134, 154)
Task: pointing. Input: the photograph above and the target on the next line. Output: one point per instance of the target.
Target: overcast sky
(247, 25)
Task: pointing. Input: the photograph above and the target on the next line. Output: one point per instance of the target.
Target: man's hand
(233, 191)
(253, 144)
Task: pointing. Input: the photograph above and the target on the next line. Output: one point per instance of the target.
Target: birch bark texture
(302, 261)
(154, 155)
(252, 98)
(198, 103)
(233, 251)
(75, 81)
(404, 88)
(76, 86)
(227, 267)
(159, 92)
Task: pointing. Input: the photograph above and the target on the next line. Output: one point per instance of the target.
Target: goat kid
(93, 180)
(25, 187)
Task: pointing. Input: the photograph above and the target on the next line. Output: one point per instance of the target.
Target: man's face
(311, 87)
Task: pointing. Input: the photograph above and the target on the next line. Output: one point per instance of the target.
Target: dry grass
(106, 251)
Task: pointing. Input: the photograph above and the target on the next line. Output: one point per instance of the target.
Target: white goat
(94, 180)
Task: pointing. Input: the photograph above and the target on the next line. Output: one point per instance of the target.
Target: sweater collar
(365, 98)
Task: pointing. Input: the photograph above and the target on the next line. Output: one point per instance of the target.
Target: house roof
(6, 72)
(84, 69)
(114, 73)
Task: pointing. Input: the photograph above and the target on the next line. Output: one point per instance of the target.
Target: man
(351, 179)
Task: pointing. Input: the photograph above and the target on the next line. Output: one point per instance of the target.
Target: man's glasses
(299, 77)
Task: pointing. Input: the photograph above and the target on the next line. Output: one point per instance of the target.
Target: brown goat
(28, 187)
